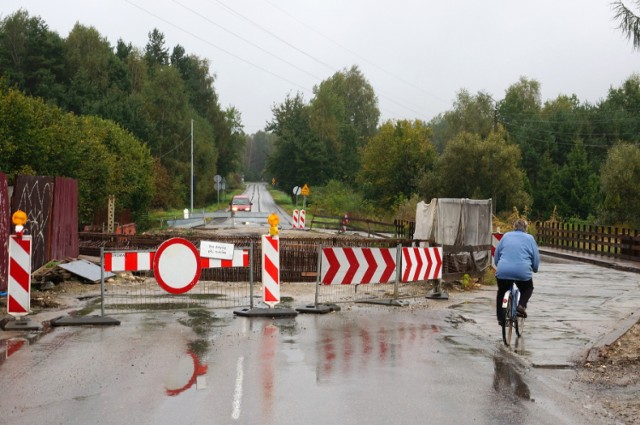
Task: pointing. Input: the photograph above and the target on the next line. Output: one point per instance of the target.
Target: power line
(355, 53)
(216, 46)
(332, 69)
(246, 40)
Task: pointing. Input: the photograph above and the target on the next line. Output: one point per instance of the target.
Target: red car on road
(240, 203)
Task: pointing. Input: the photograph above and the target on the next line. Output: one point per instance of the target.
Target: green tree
(343, 115)
(474, 168)
(337, 198)
(31, 56)
(298, 156)
(230, 142)
(156, 54)
(472, 114)
(88, 56)
(198, 80)
(41, 139)
(578, 185)
(620, 183)
(257, 148)
(393, 160)
(165, 104)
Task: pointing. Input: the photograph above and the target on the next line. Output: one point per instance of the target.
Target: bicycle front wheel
(519, 325)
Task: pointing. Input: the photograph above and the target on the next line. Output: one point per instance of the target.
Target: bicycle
(511, 318)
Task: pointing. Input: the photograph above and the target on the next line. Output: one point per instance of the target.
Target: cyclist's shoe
(522, 311)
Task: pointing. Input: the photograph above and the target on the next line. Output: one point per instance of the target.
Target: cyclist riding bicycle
(516, 258)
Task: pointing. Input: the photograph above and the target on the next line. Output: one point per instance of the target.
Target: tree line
(70, 100)
(561, 158)
(118, 119)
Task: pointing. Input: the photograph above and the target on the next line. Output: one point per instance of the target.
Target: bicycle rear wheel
(507, 324)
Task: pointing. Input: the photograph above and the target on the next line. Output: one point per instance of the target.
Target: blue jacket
(516, 256)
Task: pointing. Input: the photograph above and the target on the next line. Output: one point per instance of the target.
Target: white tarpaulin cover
(457, 222)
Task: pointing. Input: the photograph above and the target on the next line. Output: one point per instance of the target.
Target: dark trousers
(525, 287)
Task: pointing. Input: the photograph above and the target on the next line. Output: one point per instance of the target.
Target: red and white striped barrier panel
(301, 223)
(295, 218)
(19, 288)
(421, 264)
(131, 261)
(128, 261)
(495, 239)
(349, 266)
(270, 270)
(240, 259)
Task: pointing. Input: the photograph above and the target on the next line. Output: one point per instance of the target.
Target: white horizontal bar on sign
(240, 259)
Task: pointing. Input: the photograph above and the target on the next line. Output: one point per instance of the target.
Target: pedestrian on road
(516, 258)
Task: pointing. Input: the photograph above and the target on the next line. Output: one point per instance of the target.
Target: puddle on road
(12, 345)
(187, 371)
(201, 321)
(508, 381)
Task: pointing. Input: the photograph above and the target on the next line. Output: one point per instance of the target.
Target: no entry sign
(176, 265)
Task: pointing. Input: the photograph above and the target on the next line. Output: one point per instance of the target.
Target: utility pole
(192, 166)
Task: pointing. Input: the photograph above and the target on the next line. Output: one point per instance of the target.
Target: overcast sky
(416, 54)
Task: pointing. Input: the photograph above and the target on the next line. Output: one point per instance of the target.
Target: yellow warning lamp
(19, 219)
(273, 221)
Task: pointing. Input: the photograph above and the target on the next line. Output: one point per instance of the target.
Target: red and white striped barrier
(495, 239)
(270, 270)
(301, 223)
(421, 264)
(349, 266)
(128, 261)
(19, 288)
(240, 259)
(295, 218)
(176, 264)
(131, 261)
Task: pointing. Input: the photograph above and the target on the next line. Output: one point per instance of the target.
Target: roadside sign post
(270, 277)
(217, 179)
(296, 191)
(305, 191)
(19, 284)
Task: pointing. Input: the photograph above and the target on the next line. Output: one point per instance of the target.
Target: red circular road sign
(176, 265)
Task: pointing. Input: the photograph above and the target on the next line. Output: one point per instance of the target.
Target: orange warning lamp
(273, 221)
(19, 218)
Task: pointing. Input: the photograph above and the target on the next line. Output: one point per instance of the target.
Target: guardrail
(610, 241)
(397, 229)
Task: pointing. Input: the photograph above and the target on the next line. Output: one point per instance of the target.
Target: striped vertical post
(270, 270)
(295, 218)
(19, 295)
(301, 224)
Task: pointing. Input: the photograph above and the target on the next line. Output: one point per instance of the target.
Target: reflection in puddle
(11, 346)
(268, 358)
(508, 381)
(359, 345)
(188, 371)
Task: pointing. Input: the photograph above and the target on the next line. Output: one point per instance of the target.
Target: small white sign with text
(222, 251)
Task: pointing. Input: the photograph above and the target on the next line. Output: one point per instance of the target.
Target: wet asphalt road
(365, 364)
